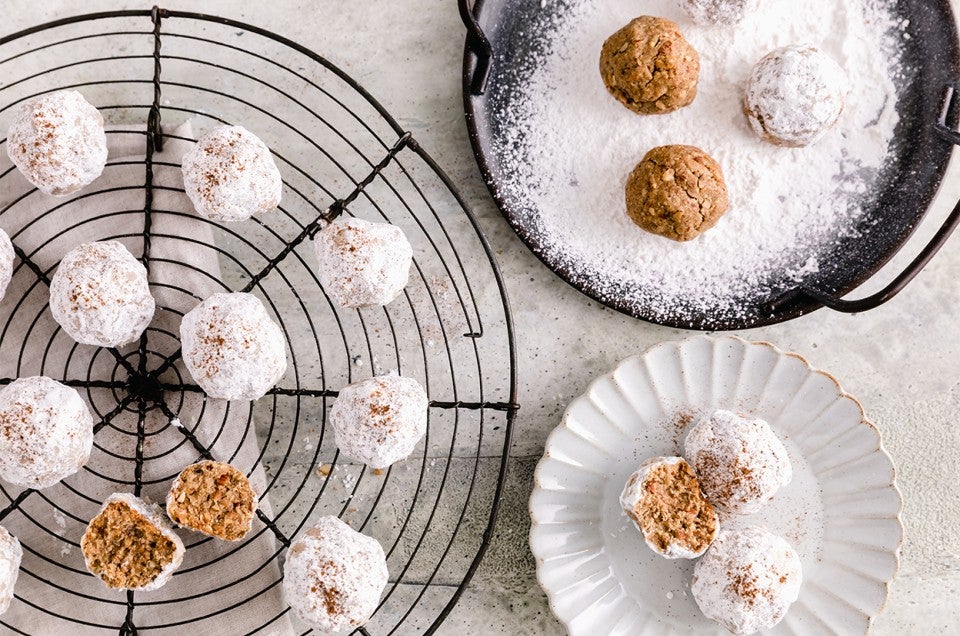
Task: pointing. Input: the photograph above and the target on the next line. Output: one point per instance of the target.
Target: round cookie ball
(46, 432)
(232, 348)
(130, 545)
(747, 580)
(664, 501)
(333, 576)
(10, 556)
(100, 295)
(7, 256)
(677, 192)
(230, 175)
(379, 421)
(648, 66)
(57, 142)
(718, 12)
(362, 264)
(740, 462)
(213, 498)
(795, 94)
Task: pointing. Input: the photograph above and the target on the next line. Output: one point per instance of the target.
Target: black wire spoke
(117, 410)
(78, 383)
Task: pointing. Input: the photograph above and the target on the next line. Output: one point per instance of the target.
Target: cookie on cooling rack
(362, 264)
(333, 576)
(6, 262)
(230, 175)
(57, 142)
(100, 295)
(130, 545)
(232, 348)
(46, 432)
(740, 462)
(10, 555)
(747, 580)
(664, 501)
(213, 498)
(379, 421)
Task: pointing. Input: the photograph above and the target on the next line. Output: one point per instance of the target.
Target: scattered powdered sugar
(747, 580)
(566, 148)
(333, 576)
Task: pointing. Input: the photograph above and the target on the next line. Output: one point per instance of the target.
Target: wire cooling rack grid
(340, 153)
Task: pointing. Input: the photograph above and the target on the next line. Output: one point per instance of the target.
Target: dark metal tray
(924, 138)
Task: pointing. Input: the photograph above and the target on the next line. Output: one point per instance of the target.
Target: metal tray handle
(479, 45)
(908, 274)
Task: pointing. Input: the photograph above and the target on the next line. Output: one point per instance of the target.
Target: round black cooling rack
(340, 152)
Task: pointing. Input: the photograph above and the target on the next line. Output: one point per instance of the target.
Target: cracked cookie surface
(649, 67)
(677, 192)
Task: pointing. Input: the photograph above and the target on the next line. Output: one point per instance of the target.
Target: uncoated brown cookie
(677, 192)
(649, 67)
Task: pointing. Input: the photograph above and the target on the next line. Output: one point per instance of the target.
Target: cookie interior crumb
(124, 548)
(213, 498)
(673, 511)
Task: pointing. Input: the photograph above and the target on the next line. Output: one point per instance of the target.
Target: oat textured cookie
(213, 498)
(649, 67)
(100, 295)
(677, 192)
(46, 432)
(747, 580)
(57, 142)
(130, 545)
(333, 576)
(664, 501)
(232, 348)
(230, 175)
(740, 462)
(795, 94)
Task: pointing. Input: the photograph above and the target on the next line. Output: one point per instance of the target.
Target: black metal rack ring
(452, 327)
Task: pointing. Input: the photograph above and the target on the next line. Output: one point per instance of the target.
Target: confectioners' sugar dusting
(10, 555)
(333, 576)
(567, 148)
(747, 580)
(232, 347)
(46, 432)
(380, 420)
(740, 462)
(100, 295)
(7, 256)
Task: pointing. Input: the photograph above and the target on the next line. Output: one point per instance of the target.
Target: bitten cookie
(130, 545)
(677, 192)
(213, 498)
(664, 501)
(649, 67)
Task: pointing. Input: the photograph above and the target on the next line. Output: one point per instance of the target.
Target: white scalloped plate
(841, 512)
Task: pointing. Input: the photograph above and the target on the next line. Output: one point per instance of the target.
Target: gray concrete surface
(902, 360)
